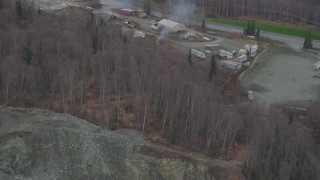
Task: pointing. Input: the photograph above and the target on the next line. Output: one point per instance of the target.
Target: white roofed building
(172, 26)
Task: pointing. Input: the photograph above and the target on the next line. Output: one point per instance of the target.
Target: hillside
(40, 144)
(74, 62)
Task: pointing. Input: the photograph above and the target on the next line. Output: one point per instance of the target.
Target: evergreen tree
(248, 29)
(147, 7)
(92, 18)
(310, 45)
(308, 41)
(125, 39)
(190, 57)
(19, 9)
(258, 34)
(27, 55)
(291, 117)
(95, 41)
(203, 26)
(276, 156)
(213, 67)
(305, 42)
(253, 28)
(1, 4)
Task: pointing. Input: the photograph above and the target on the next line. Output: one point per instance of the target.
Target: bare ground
(283, 75)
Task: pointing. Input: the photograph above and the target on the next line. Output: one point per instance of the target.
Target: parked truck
(198, 53)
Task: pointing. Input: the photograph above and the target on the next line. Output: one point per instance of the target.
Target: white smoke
(182, 11)
(163, 34)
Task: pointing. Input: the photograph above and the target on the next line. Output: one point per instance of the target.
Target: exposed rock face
(41, 144)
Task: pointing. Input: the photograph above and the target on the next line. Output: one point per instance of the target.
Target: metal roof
(169, 23)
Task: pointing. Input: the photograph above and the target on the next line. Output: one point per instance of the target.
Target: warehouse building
(171, 25)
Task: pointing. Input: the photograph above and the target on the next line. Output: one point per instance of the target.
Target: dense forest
(293, 11)
(71, 61)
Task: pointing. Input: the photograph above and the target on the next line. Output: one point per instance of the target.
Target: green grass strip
(269, 27)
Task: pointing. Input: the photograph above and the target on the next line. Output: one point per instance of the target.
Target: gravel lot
(282, 75)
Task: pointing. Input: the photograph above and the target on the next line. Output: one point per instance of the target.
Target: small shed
(172, 26)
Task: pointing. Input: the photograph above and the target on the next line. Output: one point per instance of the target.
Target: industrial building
(127, 12)
(131, 12)
(172, 26)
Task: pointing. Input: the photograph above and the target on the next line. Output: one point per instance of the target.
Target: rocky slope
(41, 144)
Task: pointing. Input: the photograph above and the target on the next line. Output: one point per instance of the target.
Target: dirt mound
(41, 144)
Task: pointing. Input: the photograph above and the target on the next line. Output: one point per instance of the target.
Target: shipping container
(198, 53)
(231, 65)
